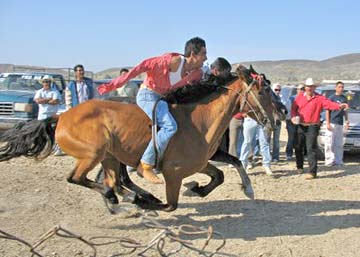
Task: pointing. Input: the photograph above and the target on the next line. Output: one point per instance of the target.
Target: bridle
(244, 100)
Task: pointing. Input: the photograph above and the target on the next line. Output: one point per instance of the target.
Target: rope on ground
(172, 234)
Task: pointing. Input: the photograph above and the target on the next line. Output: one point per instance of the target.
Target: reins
(244, 100)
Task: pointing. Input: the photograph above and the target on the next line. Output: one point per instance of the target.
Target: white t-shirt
(47, 110)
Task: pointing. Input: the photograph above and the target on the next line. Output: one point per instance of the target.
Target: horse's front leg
(222, 156)
(173, 184)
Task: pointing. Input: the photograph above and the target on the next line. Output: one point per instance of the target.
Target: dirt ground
(289, 216)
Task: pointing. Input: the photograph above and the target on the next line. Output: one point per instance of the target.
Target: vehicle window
(21, 82)
(353, 99)
(2, 84)
(58, 83)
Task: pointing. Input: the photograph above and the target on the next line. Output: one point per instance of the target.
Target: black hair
(124, 70)
(339, 82)
(194, 45)
(78, 66)
(222, 65)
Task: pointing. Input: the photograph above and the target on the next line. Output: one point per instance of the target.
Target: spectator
(130, 89)
(290, 127)
(305, 112)
(276, 132)
(164, 73)
(334, 136)
(250, 129)
(81, 89)
(48, 99)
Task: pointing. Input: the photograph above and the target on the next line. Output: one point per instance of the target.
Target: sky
(109, 33)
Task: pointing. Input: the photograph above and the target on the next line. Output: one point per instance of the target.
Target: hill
(343, 67)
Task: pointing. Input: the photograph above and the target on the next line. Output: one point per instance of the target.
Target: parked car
(17, 91)
(352, 135)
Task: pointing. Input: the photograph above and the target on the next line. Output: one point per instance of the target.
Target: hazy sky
(105, 34)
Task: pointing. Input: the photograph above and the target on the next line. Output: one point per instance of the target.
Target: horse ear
(252, 70)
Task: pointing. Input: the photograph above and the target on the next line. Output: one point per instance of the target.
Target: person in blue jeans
(250, 129)
(163, 74)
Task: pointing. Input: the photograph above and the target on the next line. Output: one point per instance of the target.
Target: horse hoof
(249, 192)
(192, 192)
(126, 212)
(129, 198)
(191, 185)
(170, 208)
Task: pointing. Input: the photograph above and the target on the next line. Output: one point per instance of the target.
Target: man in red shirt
(163, 74)
(305, 112)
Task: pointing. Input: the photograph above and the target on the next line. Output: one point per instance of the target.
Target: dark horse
(116, 134)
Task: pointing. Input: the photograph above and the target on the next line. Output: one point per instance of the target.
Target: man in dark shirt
(335, 125)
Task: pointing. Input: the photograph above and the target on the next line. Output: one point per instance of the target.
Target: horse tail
(34, 139)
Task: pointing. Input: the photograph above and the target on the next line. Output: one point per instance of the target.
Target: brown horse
(116, 134)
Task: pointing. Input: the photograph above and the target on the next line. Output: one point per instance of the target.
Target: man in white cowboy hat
(47, 98)
(305, 112)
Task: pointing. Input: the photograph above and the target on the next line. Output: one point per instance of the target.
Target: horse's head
(256, 97)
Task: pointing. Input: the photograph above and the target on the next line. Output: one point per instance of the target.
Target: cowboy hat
(309, 82)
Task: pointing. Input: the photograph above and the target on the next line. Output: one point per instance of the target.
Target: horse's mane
(194, 92)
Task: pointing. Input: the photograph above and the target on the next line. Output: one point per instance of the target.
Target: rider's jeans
(146, 99)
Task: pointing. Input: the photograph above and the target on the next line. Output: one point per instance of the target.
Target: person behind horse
(305, 112)
(290, 127)
(48, 99)
(164, 73)
(276, 132)
(130, 89)
(81, 89)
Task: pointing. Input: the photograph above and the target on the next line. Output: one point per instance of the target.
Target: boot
(147, 172)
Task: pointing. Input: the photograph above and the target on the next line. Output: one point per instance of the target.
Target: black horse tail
(34, 139)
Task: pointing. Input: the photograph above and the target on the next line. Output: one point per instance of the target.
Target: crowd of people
(302, 125)
(247, 138)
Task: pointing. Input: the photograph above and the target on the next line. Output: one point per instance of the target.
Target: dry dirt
(290, 216)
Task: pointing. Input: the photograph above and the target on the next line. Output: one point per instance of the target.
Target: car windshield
(28, 82)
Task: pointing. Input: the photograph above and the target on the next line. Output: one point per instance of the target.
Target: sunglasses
(46, 82)
(277, 90)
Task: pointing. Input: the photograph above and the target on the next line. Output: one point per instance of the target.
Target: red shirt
(309, 110)
(157, 75)
(238, 116)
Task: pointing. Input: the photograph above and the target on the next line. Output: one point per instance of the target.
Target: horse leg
(173, 185)
(78, 176)
(217, 178)
(222, 156)
(138, 196)
(124, 179)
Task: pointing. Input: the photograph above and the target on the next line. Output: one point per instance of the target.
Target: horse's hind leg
(217, 178)
(79, 173)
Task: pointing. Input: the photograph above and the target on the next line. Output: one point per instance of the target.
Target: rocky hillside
(344, 67)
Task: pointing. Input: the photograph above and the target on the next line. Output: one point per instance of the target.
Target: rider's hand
(103, 88)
